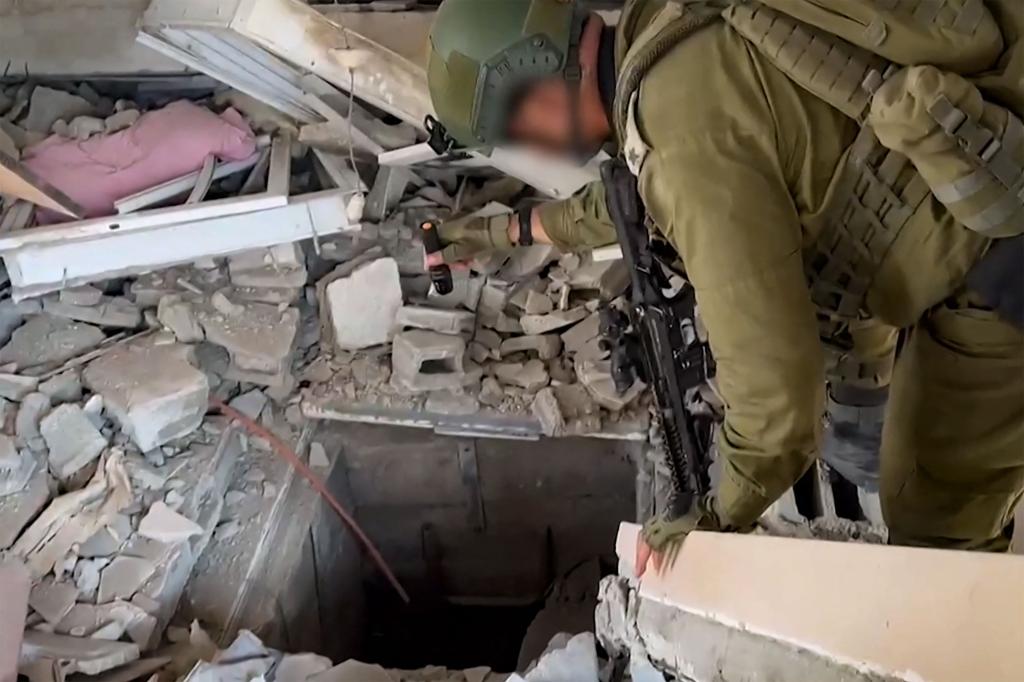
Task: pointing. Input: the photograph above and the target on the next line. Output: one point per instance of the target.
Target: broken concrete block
(451, 403)
(542, 324)
(259, 337)
(52, 600)
(179, 316)
(596, 377)
(72, 439)
(427, 361)
(480, 354)
(45, 339)
(491, 393)
(538, 303)
(16, 387)
(82, 295)
(154, 392)
(110, 312)
(531, 376)
(250, 404)
(18, 509)
(30, 413)
(548, 412)
(48, 106)
(362, 307)
(77, 654)
(546, 346)
(436, 319)
(145, 475)
(16, 468)
(507, 324)
(84, 127)
(489, 338)
(121, 120)
(123, 577)
(281, 266)
(575, 338)
(63, 388)
(165, 525)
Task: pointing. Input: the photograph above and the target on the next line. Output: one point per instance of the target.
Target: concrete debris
(427, 361)
(15, 387)
(81, 295)
(48, 106)
(543, 324)
(31, 411)
(301, 667)
(114, 312)
(567, 659)
(53, 600)
(546, 346)
(154, 392)
(281, 266)
(167, 526)
(76, 654)
(596, 376)
(451, 403)
(576, 339)
(436, 319)
(250, 404)
(318, 456)
(46, 339)
(63, 388)
(531, 376)
(538, 303)
(179, 316)
(548, 412)
(73, 441)
(18, 509)
(123, 577)
(491, 393)
(362, 307)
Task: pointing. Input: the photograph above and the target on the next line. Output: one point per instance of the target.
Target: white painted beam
(179, 186)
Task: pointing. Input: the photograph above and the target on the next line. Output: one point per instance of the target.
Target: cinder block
(423, 360)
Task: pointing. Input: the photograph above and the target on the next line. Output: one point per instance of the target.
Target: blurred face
(542, 119)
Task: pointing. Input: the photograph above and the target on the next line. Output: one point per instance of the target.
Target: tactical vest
(925, 130)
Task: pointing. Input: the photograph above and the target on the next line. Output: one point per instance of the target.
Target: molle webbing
(838, 72)
(878, 192)
(962, 18)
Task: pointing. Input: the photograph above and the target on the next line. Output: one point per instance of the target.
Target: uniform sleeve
(579, 221)
(720, 196)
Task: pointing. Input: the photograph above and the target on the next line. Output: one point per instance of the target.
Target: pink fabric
(162, 145)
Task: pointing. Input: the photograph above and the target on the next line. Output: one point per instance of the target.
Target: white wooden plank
(280, 173)
(203, 181)
(179, 186)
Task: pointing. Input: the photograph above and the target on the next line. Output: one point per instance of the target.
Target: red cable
(281, 448)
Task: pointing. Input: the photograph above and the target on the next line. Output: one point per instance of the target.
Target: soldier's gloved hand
(853, 439)
(471, 236)
(663, 535)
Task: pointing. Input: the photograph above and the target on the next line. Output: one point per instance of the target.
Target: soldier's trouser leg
(953, 444)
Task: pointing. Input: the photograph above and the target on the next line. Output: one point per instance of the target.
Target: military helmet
(483, 53)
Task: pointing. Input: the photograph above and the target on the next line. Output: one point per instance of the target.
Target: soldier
(795, 227)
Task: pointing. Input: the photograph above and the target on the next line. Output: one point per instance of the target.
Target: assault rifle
(655, 340)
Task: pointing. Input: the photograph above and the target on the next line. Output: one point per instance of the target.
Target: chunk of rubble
(154, 392)
(258, 337)
(538, 303)
(596, 377)
(31, 411)
(491, 393)
(16, 467)
(278, 267)
(361, 308)
(48, 106)
(543, 324)
(179, 316)
(17, 510)
(16, 387)
(165, 525)
(545, 346)
(76, 654)
(318, 456)
(451, 403)
(52, 600)
(250, 404)
(531, 376)
(108, 621)
(45, 339)
(575, 339)
(123, 577)
(548, 412)
(436, 319)
(424, 361)
(63, 388)
(13, 314)
(111, 311)
(73, 441)
(81, 295)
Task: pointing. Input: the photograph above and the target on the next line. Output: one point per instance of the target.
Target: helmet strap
(573, 75)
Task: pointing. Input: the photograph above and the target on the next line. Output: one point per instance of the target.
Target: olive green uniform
(742, 173)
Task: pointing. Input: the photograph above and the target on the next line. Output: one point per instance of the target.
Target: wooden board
(19, 181)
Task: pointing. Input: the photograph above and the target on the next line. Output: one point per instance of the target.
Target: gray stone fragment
(15, 387)
(250, 404)
(48, 106)
(281, 266)
(451, 403)
(489, 338)
(46, 339)
(507, 324)
(538, 303)
(167, 526)
(491, 393)
(545, 346)
(123, 577)
(16, 468)
(145, 475)
(542, 324)
(480, 354)
(531, 376)
(13, 314)
(17, 510)
(257, 336)
(63, 388)
(546, 409)
(362, 306)
(596, 377)
(318, 456)
(154, 392)
(575, 338)
(87, 578)
(179, 316)
(77, 654)
(30, 413)
(436, 319)
(102, 543)
(52, 600)
(112, 311)
(72, 439)
(82, 295)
